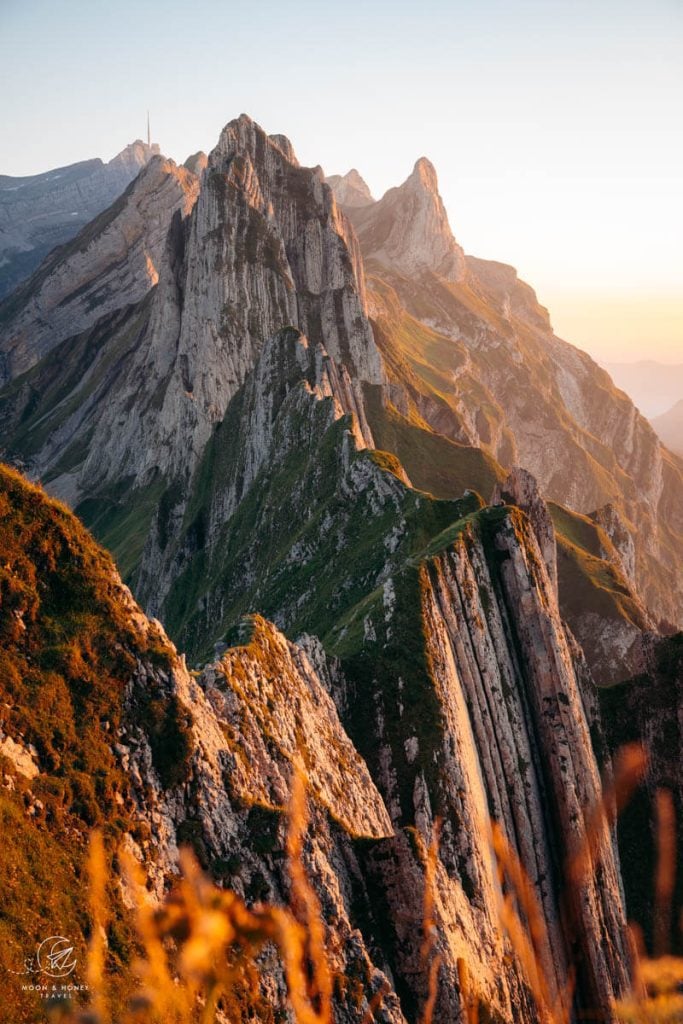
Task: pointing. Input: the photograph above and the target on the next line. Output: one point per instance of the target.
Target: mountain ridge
(40, 211)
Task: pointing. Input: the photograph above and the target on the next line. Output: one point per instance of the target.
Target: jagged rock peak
(350, 189)
(424, 175)
(407, 231)
(520, 488)
(244, 136)
(136, 154)
(196, 163)
(284, 145)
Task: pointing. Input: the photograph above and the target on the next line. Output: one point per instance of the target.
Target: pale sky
(554, 125)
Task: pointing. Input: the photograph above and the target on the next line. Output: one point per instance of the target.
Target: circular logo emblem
(56, 957)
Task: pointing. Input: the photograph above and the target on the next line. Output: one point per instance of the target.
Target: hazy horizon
(549, 123)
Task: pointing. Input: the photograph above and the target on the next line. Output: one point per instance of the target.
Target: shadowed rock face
(41, 211)
(648, 709)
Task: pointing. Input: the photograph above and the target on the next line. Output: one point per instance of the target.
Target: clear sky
(554, 125)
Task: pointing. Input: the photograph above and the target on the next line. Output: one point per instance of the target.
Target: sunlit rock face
(407, 229)
(41, 211)
(263, 247)
(110, 264)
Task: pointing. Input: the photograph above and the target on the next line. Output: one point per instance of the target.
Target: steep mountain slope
(265, 246)
(470, 351)
(597, 595)
(458, 645)
(148, 383)
(41, 211)
(669, 427)
(289, 466)
(111, 263)
(102, 724)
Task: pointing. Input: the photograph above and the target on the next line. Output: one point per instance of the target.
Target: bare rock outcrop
(521, 489)
(407, 230)
(498, 729)
(350, 189)
(622, 539)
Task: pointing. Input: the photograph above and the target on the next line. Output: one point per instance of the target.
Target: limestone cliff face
(508, 736)
(277, 428)
(407, 229)
(265, 246)
(41, 211)
(110, 264)
(254, 715)
(521, 489)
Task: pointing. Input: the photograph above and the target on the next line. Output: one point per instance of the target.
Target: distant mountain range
(41, 211)
(669, 426)
(653, 386)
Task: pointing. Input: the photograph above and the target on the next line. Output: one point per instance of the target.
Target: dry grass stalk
(666, 870)
(97, 877)
(310, 991)
(531, 942)
(203, 941)
(630, 765)
(468, 994)
(429, 925)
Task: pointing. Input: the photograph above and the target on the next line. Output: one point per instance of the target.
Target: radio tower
(149, 136)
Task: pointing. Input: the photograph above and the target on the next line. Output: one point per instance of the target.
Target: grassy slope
(67, 650)
(433, 462)
(588, 582)
(296, 503)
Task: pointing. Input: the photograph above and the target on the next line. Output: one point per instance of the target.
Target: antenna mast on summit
(149, 136)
